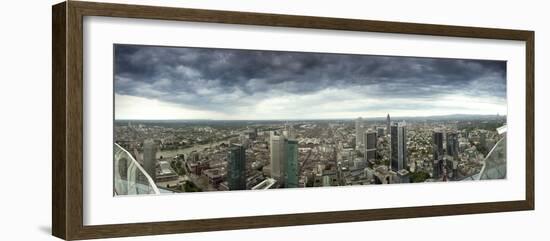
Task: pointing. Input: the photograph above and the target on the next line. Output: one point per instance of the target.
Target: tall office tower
(380, 131)
(289, 131)
(150, 157)
(370, 145)
(277, 150)
(291, 164)
(388, 123)
(236, 171)
(452, 144)
(359, 137)
(437, 168)
(437, 145)
(398, 147)
(402, 145)
(393, 147)
(251, 133)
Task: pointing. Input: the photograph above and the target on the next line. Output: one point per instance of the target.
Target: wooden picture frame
(67, 122)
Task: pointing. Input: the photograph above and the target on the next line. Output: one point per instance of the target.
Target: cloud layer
(200, 83)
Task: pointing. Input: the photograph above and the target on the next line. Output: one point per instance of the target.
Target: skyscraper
(439, 163)
(359, 134)
(393, 147)
(437, 168)
(236, 171)
(150, 157)
(437, 144)
(398, 147)
(452, 144)
(380, 131)
(277, 150)
(289, 131)
(370, 145)
(291, 164)
(402, 145)
(388, 122)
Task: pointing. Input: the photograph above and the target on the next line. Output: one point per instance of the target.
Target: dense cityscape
(208, 155)
(199, 119)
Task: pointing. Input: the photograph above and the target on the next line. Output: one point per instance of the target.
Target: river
(187, 150)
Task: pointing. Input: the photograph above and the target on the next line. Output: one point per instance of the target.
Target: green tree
(419, 176)
(190, 187)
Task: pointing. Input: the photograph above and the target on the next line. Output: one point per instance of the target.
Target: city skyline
(375, 118)
(179, 83)
(272, 155)
(204, 119)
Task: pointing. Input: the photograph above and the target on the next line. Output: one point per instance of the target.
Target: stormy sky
(205, 83)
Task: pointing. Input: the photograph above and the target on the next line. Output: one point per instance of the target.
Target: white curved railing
(494, 165)
(130, 177)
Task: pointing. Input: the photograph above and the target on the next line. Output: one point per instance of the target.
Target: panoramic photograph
(190, 119)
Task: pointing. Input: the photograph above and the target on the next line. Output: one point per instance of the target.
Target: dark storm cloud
(203, 77)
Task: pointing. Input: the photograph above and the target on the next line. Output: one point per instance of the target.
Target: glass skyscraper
(237, 168)
(452, 144)
(291, 164)
(437, 138)
(370, 145)
(398, 147)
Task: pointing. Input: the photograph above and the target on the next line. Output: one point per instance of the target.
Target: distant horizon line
(349, 118)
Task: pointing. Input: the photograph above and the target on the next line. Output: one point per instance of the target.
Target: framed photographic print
(171, 120)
